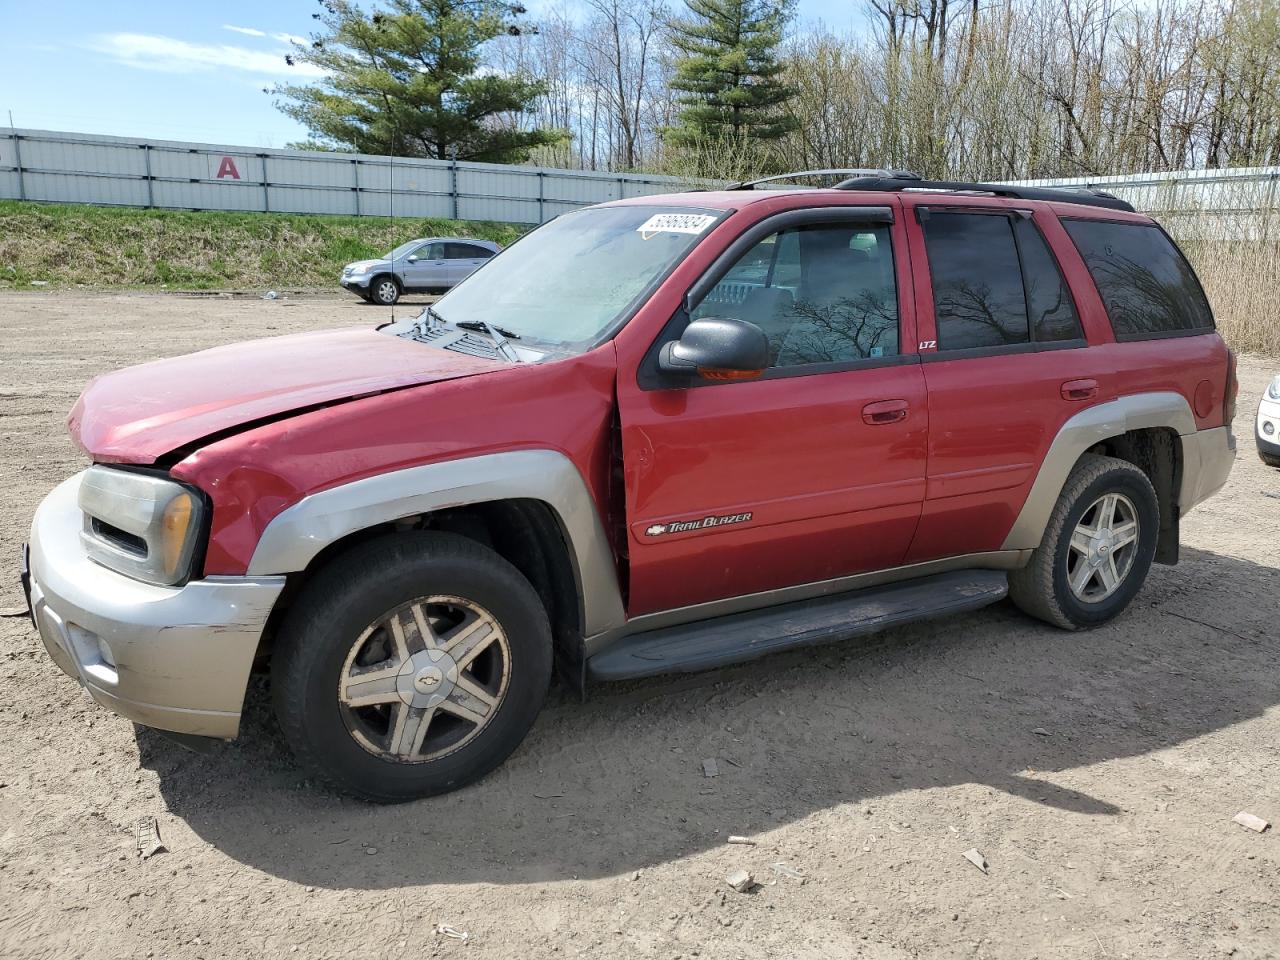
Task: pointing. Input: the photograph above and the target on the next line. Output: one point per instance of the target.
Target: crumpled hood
(139, 414)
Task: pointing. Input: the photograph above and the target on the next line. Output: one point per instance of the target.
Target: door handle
(1080, 389)
(884, 411)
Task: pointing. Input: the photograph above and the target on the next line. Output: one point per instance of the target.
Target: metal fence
(118, 171)
(86, 168)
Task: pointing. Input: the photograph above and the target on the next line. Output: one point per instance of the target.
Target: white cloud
(254, 32)
(170, 55)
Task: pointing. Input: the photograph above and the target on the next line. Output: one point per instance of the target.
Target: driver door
(815, 470)
(428, 270)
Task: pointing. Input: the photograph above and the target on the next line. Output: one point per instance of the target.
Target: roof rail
(1082, 195)
(874, 172)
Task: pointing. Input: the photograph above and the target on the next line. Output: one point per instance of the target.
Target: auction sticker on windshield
(675, 223)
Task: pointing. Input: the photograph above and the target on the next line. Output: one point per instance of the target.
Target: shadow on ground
(616, 784)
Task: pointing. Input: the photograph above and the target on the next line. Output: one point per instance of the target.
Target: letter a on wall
(227, 168)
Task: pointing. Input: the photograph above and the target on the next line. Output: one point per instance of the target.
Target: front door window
(822, 294)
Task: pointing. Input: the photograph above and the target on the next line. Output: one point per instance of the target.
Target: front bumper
(1268, 415)
(175, 658)
(355, 284)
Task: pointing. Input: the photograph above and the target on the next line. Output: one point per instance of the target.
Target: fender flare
(295, 536)
(1091, 426)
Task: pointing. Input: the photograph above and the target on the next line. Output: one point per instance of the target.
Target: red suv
(655, 435)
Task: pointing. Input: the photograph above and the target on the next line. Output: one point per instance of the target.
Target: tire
(338, 648)
(1269, 460)
(1043, 588)
(384, 290)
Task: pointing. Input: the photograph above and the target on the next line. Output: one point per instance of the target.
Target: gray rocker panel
(293, 538)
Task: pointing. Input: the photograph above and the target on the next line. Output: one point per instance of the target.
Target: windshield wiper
(496, 334)
(484, 326)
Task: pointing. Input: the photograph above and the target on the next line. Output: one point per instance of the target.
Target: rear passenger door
(463, 258)
(1005, 365)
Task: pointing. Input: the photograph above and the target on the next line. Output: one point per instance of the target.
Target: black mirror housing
(717, 348)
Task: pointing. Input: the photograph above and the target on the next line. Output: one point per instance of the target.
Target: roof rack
(1082, 195)
(865, 172)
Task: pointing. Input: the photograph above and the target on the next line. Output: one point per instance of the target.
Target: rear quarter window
(1145, 282)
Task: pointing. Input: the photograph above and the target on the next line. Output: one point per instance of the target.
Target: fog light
(1268, 427)
(104, 654)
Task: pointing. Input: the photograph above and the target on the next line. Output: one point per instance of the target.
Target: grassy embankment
(70, 246)
(74, 245)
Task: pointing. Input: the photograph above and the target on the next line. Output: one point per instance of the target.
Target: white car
(1267, 430)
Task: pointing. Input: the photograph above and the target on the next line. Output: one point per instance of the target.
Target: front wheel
(384, 290)
(411, 666)
(1097, 547)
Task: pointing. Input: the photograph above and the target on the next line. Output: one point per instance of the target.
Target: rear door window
(464, 251)
(1053, 314)
(978, 298)
(1147, 285)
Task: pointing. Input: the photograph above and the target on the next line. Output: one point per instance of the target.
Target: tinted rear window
(1147, 285)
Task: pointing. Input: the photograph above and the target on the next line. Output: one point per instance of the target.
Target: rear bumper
(1207, 456)
(175, 658)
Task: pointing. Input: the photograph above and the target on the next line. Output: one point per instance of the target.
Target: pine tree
(728, 71)
(407, 79)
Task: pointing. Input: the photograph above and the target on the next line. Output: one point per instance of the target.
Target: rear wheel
(411, 666)
(384, 290)
(1097, 547)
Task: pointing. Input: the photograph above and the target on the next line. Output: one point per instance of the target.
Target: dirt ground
(1098, 773)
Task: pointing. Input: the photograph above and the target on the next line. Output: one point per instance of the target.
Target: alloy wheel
(425, 679)
(1102, 548)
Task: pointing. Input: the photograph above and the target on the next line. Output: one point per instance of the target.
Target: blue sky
(177, 71)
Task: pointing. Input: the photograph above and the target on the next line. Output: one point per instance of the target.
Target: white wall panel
(84, 168)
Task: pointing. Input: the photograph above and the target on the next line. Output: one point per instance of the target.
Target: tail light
(1233, 388)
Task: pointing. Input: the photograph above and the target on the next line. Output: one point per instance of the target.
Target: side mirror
(413, 258)
(717, 348)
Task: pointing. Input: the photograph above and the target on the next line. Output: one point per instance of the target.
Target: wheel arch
(531, 506)
(1148, 430)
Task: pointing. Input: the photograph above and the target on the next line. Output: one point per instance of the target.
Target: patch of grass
(1239, 266)
(70, 245)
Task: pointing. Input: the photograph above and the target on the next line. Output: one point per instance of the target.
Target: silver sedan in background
(426, 264)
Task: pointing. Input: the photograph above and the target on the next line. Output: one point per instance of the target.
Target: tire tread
(1031, 588)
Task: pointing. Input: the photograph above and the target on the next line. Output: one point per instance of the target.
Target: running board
(718, 642)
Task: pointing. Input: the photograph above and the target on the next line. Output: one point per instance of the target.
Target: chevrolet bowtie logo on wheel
(684, 526)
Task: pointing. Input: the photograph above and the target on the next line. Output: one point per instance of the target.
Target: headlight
(1273, 389)
(139, 524)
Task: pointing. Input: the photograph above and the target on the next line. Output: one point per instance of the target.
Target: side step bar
(718, 642)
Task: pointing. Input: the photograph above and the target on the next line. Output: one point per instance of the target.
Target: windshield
(567, 283)
(403, 250)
